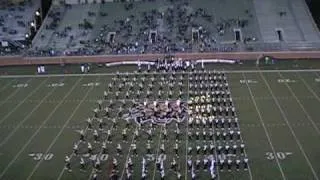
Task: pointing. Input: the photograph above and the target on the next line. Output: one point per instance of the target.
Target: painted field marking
(11, 95)
(26, 117)
(91, 84)
(61, 130)
(21, 102)
(155, 73)
(317, 79)
(52, 85)
(264, 128)
(157, 154)
(279, 155)
(128, 155)
(309, 87)
(241, 138)
(290, 127)
(85, 131)
(37, 131)
(20, 85)
(302, 107)
(38, 156)
(286, 81)
(101, 157)
(7, 85)
(249, 81)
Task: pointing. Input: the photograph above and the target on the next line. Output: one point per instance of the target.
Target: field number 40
(279, 155)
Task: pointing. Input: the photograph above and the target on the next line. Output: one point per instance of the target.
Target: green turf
(274, 116)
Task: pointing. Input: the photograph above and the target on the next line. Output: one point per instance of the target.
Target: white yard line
(11, 95)
(71, 155)
(7, 85)
(290, 127)
(17, 106)
(132, 73)
(309, 87)
(302, 107)
(127, 158)
(265, 129)
(27, 116)
(245, 153)
(187, 131)
(60, 132)
(155, 160)
(37, 131)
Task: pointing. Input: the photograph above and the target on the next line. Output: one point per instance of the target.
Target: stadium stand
(15, 21)
(90, 27)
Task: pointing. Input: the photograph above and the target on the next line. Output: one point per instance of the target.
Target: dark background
(314, 6)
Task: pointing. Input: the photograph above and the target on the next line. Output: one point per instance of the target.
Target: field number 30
(279, 155)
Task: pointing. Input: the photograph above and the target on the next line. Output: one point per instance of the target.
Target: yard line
(155, 160)
(60, 132)
(187, 131)
(27, 116)
(127, 158)
(85, 131)
(17, 106)
(91, 174)
(264, 127)
(37, 131)
(290, 127)
(309, 88)
(150, 73)
(245, 152)
(302, 107)
(11, 95)
(7, 85)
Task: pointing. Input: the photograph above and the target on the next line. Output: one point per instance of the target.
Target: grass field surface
(278, 113)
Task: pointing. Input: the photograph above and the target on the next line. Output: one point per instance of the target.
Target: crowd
(176, 28)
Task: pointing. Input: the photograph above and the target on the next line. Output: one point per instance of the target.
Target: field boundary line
(29, 114)
(290, 127)
(264, 127)
(37, 131)
(302, 107)
(12, 94)
(21, 102)
(60, 132)
(132, 73)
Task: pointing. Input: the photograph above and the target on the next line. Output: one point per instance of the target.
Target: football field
(40, 119)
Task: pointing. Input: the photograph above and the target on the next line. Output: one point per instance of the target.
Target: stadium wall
(19, 60)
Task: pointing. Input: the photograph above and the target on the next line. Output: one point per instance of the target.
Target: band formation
(172, 121)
